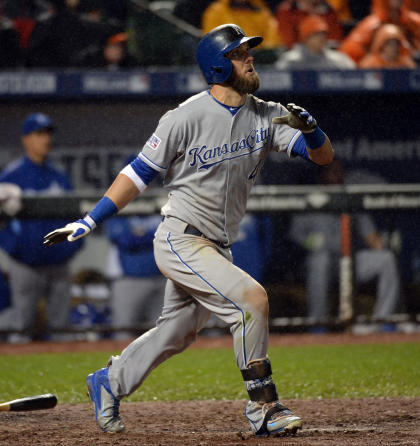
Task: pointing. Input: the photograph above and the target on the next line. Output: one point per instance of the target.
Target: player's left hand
(71, 232)
(298, 118)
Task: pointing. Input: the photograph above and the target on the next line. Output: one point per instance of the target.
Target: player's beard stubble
(244, 84)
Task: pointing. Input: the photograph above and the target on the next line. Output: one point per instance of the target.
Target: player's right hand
(71, 232)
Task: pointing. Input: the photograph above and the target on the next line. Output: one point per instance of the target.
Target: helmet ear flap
(221, 73)
(219, 70)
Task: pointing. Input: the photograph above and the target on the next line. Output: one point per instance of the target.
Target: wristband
(104, 209)
(88, 220)
(315, 139)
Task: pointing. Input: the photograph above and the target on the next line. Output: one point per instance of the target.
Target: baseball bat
(37, 402)
(346, 270)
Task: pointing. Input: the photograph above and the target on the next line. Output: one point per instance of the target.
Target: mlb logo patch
(154, 142)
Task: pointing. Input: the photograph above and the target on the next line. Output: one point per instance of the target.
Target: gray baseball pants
(370, 264)
(28, 286)
(135, 300)
(201, 280)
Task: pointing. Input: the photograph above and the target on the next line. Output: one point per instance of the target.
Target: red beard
(244, 84)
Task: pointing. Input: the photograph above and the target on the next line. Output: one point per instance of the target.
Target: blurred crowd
(298, 34)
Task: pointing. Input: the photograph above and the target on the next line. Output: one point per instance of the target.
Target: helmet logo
(238, 31)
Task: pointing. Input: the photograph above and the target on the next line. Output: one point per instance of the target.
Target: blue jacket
(133, 237)
(252, 250)
(23, 239)
(4, 291)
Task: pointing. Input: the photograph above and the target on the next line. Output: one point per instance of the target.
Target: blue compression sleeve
(144, 171)
(299, 148)
(104, 209)
(315, 139)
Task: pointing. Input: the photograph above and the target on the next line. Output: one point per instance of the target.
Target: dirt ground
(335, 422)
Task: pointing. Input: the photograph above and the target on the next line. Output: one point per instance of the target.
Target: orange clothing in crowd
(415, 5)
(255, 18)
(342, 9)
(290, 14)
(376, 58)
(357, 43)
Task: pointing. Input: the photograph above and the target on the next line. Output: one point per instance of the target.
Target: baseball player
(34, 271)
(211, 149)
(320, 235)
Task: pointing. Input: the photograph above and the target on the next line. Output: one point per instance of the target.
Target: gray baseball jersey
(211, 159)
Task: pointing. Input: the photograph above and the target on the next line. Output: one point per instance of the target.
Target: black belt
(194, 231)
(191, 230)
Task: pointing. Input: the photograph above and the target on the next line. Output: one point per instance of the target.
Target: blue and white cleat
(106, 405)
(279, 420)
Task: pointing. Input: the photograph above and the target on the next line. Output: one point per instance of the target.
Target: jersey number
(255, 170)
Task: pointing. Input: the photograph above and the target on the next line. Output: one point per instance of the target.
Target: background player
(320, 235)
(211, 149)
(35, 272)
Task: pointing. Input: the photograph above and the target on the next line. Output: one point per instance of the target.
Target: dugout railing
(296, 198)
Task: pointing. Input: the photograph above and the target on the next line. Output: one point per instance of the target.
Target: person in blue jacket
(137, 287)
(36, 271)
(252, 249)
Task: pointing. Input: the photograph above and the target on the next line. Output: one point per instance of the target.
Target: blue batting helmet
(213, 47)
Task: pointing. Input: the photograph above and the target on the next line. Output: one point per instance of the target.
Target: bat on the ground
(37, 402)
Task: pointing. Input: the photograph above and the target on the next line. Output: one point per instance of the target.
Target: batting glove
(71, 232)
(298, 118)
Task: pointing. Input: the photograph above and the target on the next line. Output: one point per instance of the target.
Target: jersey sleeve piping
(299, 148)
(292, 143)
(152, 164)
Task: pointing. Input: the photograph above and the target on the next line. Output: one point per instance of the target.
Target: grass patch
(349, 371)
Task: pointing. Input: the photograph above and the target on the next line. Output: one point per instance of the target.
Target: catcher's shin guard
(264, 412)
